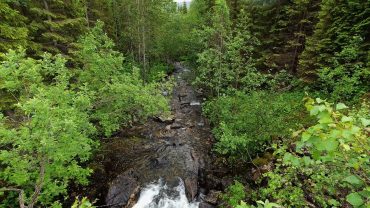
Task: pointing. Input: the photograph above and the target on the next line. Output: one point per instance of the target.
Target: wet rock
(185, 103)
(165, 93)
(194, 103)
(213, 182)
(200, 124)
(202, 191)
(213, 197)
(190, 125)
(176, 126)
(181, 96)
(226, 182)
(122, 189)
(166, 119)
(133, 198)
(205, 205)
(191, 187)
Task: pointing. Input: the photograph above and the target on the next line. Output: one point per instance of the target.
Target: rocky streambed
(161, 155)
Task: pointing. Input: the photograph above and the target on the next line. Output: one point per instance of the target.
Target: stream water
(161, 195)
(160, 164)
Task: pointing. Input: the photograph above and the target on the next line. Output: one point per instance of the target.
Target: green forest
(285, 84)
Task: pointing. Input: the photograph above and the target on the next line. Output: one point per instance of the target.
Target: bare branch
(20, 197)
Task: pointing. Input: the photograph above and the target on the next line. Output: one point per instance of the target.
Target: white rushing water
(159, 195)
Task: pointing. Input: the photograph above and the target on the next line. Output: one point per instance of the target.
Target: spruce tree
(13, 28)
(337, 55)
(55, 25)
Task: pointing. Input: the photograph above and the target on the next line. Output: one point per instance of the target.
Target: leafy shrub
(260, 204)
(21, 77)
(41, 152)
(158, 71)
(83, 203)
(127, 101)
(119, 95)
(330, 165)
(234, 194)
(43, 145)
(246, 123)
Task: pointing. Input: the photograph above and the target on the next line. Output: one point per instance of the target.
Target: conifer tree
(13, 28)
(337, 54)
(55, 25)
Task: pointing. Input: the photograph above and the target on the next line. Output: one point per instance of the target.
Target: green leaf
(355, 199)
(306, 136)
(354, 180)
(334, 202)
(314, 111)
(346, 119)
(331, 144)
(341, 106)
(365, 122)
(325, 118)
(318, 100)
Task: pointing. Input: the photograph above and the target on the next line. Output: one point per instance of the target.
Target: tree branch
(39, 184)
(20, 197)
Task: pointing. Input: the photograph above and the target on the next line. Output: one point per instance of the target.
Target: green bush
(234, 194)
(245, 124)
(260, 204)
(120, 97)
(41, 152)
(330, 164)
(158, 71)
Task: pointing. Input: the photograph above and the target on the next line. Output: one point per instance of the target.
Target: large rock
(205, 205)
(213, 197)
(172, 160)
(122, 189)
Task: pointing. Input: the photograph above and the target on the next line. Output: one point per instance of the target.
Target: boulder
(176, 126)
(122, 189)
(166, 119)
(205, 205)
(213, 197)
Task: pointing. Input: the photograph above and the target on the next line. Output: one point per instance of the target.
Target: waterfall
(162, 195)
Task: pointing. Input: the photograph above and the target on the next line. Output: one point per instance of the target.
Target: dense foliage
(51, 120)
(67, 79)
(119, 96)
(329, 165)
(247, 124)
(255, 58)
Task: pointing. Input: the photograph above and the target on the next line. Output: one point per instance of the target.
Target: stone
(205, 205)
(176, 126)
(121, 189)
(212, 197)
(200, 124)
(165, 93)
(166, 119)
(191, 187)
(213, 182)
(226, 182)
(194, 103)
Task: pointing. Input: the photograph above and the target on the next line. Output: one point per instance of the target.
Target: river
(160, 164)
